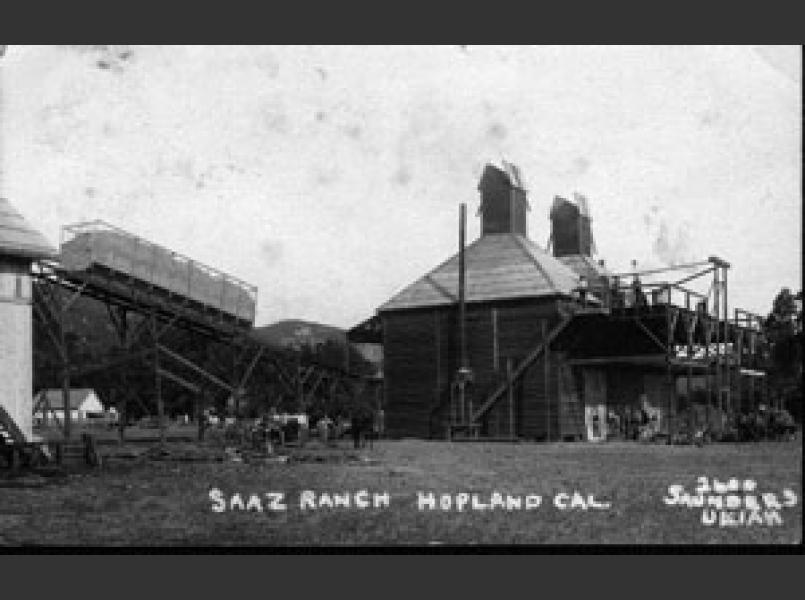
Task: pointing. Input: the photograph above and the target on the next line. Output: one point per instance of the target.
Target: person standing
(323, 426)
(357, 426)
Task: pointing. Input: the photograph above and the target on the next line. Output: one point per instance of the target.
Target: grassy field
(141, 498)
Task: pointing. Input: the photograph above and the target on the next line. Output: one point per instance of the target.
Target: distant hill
(296, 331)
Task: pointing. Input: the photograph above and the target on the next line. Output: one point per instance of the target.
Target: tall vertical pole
(707, 379)
(65, 392)
(300, 385)
(462, 309)
(235, 381)
(736, 352)
(158, 382)
(65, 355)
(689, 332)
(200, 406)
(510, 389)
(669, 381)
(462, 315)
(123, 340)
(727, 354)
(717, 348)
(546, 374)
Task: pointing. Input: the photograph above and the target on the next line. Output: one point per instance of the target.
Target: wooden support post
(495, 344)
(65, 392)
(764, 391)
(510, 388)
(65, 356)
(708, 371)
(469, 410)
(200, 406)
(737, 352)
(727, 354)
(668, 375)
(14, 459)
(437, 395)
(462, 314)
(466, 411)
(689, 332)
(123, 415)
(235, 387)
(121, 324)
(546, 375)
(300, 385)
(718, 365)
(158, 383)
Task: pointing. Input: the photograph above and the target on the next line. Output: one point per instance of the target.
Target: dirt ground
(610, 493)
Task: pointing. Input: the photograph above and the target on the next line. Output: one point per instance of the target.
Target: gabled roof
(498, 267)
(18, 238)
(54, 398)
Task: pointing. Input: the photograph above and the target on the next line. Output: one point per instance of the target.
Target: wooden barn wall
(411, 372)
(421, 357)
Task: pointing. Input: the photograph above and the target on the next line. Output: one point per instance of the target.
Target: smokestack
(570, 227)
(503, 201)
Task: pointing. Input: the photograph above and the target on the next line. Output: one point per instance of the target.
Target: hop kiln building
(507, 340)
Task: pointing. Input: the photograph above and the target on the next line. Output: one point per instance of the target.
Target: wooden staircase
(17, 449)
(10, 433)
(532, 356)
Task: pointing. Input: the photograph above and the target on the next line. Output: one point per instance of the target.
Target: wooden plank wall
(410, 372)
(421, 357)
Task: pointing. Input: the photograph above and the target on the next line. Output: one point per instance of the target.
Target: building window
(7, 285)
(22, 287)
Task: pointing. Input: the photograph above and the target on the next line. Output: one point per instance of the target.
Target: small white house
(84, 405)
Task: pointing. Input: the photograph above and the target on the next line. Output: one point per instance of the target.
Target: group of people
(763, 423)
(618, 297)
(632, 422)
(363, 426)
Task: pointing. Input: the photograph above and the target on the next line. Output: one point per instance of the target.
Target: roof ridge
(498, 268)
(18, 237)
(521, 242)
(427, 277)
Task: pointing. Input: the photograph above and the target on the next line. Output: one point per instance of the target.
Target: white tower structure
(20, 246)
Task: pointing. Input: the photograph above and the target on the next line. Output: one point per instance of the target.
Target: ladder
(15, 448)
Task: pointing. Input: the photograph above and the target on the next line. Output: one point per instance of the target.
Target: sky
(331, 177)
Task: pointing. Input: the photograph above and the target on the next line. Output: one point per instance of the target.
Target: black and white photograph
(400, 298)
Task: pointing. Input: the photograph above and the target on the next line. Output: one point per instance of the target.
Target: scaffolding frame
(690, 330)
(56, 290)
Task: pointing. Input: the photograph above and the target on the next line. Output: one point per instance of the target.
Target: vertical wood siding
(421, 356)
